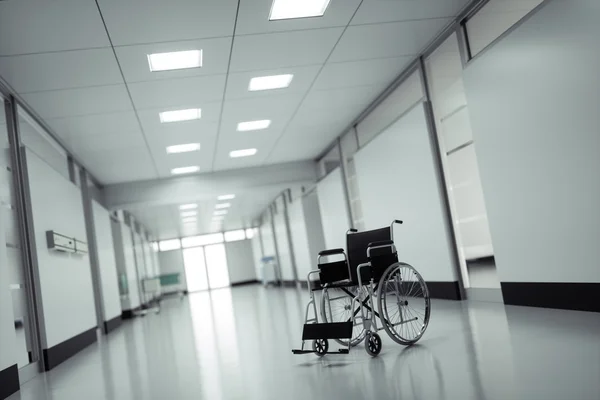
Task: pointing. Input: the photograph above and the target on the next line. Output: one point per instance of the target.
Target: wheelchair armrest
(381, 243)
(331, 252)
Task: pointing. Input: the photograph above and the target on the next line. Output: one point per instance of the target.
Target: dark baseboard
(9, 381)
(444, 290)
(243, 283)
(288, 283)
(129, 314)
(112, 324)
(63, 351)
(566, 296)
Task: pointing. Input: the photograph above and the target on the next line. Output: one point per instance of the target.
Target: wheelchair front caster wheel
(373, 344)
(320, 347)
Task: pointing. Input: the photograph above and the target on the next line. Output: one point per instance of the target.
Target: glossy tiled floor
(235, 344)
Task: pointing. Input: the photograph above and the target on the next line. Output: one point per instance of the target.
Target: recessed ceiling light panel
(180, 115)
(220, 212)
(183, 148)
(253, 125)
(188, 206)
(185, 170)
(175, 60)
(222, 205)
(242, 153)
(270, 82)
(226, 197)
(189, 214)
(288, 9)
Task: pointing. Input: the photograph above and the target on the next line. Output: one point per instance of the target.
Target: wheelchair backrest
(357, 244)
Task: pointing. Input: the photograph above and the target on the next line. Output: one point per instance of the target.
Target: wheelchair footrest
(334, 330)
(340, 351)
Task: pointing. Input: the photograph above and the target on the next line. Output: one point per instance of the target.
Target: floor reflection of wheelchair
(370, 272)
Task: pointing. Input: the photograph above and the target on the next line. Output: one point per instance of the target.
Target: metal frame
(287, 195)
(23, 209)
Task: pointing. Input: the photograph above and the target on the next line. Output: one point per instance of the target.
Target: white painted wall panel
(304, 260)
(240, 261)
(314, 225)
(534, 112)
(397, 180)
(7, 327)
(133, 299)
(65, 279)
(257, 254)
(107, 262)
(334, 210)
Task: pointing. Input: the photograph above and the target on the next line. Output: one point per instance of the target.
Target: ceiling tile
(277, 108)
(341, 101)
(43, 26)
(94, 125)
(364, 42)
(377, 11)
(112, 166)
(62, 70)
(150, 21)
(284, 49)
(202, 158)
(112, 141)
(134, 59)
(82, 101)
(360, 73)
(253, 17)
(177, 92)
(238, 82)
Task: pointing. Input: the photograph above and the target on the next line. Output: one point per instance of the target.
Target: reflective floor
(235, 344)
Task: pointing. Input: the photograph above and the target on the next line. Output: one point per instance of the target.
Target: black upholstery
(357, 244)
(333, 272)
(382, 243)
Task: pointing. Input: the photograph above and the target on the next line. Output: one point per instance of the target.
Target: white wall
(397, 180)
(257, 254)
(240, 261)
(334, 210)
(314, 226)
(172, 262)
(304, 260)
(534, 101)
(107, 265)
(7, 327)
(67, 293)
(283, 243)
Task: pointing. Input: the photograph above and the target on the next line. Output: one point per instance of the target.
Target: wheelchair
(368, 274)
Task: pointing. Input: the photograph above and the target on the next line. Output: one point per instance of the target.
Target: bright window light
(185, 170)
(166, 245)
(270, 82)
(155, 246)
(220, 212)
(249, 233)
(286, 9)
(188, 206)
(253, 125)
(222, 205)
(242, 153)
(226, 197)
(183, 148)
(234, 236)
(175, 60)
(180, 115)
(203, 240)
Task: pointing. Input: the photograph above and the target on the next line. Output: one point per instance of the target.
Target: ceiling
(82, 66)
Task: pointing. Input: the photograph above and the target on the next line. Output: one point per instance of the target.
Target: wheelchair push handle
(351, 231)
(397, 221)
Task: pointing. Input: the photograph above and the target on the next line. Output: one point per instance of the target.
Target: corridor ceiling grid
(82, 66)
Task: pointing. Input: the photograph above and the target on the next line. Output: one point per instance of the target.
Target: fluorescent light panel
(226, 197)
(253, 125)
(242, 153)
(189, 220)
(183, 148)
(185, 170)
(180, 115)
(221, 212)
(218, 218)
(175, 60)
(222, 205)
(270, 82)
(189, 213)
(287, 9)
(188, 206)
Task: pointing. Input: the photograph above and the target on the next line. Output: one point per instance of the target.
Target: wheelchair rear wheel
(404, 304)
(336, 306)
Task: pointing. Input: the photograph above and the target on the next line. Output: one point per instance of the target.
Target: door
(216, 261)
(195, 269)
